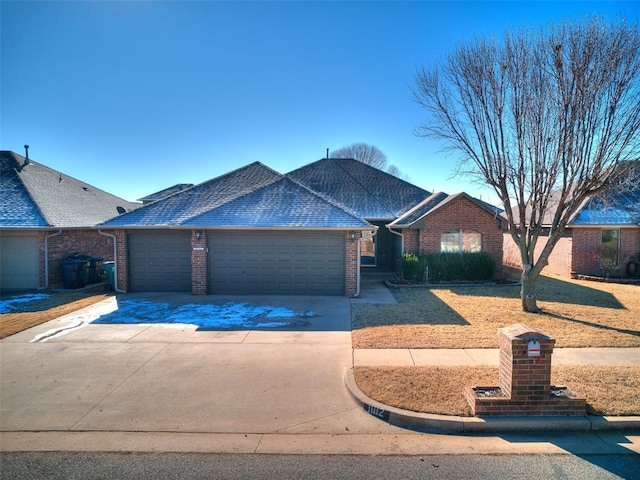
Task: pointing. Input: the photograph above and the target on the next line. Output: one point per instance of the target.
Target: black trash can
(94, 267)
(74, 272)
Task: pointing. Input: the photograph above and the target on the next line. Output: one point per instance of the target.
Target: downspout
(115, 260)
(357, 294)
(401, 242)
(46, 256)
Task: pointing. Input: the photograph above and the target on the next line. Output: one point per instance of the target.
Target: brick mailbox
(525, 379)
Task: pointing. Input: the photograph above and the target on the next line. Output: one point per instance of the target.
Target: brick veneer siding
(351, 260)
(559, 260)
(67, 243)
(573, 254)
(122, 264)
(199, 262)
(586, 240)
(462, 214)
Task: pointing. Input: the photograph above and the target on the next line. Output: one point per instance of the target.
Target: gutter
(115, 260)
(46, 256)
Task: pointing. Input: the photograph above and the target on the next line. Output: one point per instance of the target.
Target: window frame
(464, 237)
(604, 245)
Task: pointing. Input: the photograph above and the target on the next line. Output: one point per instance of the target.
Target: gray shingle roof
(612, 207)
(284, 203)
(165, 192)
(435, 202)
(429, 204)
(180, 207)
(365, 190)
(33, 195)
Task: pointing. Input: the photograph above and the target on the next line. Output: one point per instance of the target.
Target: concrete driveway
(74, 375)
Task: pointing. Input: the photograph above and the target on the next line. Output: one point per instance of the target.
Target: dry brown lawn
(41, 311)
(576, 313)
(610, 390)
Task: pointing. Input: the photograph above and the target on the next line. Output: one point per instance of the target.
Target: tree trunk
(528, 292)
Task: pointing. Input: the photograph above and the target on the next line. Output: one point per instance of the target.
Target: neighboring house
(44, 216)
(254, 230)
(154, 197)
(600, 238)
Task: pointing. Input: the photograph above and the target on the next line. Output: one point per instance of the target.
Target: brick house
(602, 238)
(252, 230)
(452, 223)
(45, 216)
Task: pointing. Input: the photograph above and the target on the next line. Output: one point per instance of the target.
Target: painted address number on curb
(377, 412)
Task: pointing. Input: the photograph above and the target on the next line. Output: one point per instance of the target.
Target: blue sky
(133, 97)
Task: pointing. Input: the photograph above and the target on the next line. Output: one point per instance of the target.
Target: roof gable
(365, 190)
(179, 208)
(34, 195)
(433, 203)
(284, 203)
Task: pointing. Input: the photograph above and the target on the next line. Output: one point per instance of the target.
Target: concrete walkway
(415, 357)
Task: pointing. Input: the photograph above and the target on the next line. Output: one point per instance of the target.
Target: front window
(459, 241)
(610, 247)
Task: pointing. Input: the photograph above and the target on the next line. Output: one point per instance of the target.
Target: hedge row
(447, 267)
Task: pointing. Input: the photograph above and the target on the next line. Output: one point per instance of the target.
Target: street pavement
(77, 386)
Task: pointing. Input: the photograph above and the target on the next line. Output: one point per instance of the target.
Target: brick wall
(351, 263)
(559, 260)
(462, 214)
(586, 240)
(67, 243)
(198, 262)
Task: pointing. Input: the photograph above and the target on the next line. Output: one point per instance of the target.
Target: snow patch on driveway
(227, 315)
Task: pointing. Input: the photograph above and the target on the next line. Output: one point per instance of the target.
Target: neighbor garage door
(276, 263)
(159, 261)
(19, 264)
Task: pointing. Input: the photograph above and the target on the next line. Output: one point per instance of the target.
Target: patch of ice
(9, 305)
(215, 316)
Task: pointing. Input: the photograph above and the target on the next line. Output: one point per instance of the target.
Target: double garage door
(276, 263)
(241, 263)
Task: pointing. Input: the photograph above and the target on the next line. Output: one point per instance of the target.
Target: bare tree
(546, 118)
(369, 154)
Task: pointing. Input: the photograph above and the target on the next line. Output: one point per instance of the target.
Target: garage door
(276, 263)
(19, 264)
(159, 262)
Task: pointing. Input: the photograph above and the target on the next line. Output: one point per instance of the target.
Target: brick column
(198, 262)
(525, 377)
(352, 262)
(121, 260)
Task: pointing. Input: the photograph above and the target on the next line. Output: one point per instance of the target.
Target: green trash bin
(109, 268)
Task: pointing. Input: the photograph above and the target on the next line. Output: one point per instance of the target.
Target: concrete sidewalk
(488, 356)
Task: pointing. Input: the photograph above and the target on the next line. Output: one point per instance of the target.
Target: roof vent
(26, 154)
(120, 210)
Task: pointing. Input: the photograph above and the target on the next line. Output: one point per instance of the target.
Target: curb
(427, 422)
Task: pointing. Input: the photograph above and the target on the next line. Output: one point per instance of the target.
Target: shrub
(413, 267)
(448, 267)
